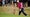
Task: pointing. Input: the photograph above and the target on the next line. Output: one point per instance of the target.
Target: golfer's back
(20, 5)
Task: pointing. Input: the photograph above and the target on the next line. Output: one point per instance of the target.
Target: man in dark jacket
(8, 1)
(0, 2)
(24, 1)
(28, 3)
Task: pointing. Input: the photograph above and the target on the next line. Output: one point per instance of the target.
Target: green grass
(3, 14)
(11, 15)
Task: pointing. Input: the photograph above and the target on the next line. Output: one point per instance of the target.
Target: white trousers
(3, 3)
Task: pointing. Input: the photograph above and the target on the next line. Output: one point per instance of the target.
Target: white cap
(17, 0)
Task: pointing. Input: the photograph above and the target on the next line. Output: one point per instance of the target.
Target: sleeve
(21, 5)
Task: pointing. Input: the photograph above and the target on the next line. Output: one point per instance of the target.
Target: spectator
(14, 1)
(3, 2)
(8, 1)
(0, 2)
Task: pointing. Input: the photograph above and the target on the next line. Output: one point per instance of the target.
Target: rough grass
(11, 15)
(3, 14)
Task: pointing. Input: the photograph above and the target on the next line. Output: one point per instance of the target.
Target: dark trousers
(0, 3)
(22, 10)
(28, 3)
(9, 1)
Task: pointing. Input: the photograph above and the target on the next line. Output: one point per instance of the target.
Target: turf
(3, 14)
(11, 15)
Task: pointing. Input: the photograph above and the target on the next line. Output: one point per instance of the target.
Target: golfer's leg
(19, 11)
(23, 12)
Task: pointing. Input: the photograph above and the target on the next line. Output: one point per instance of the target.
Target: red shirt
(20, 5)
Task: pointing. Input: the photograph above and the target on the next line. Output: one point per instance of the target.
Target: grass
(3, 14)
(11, 15)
